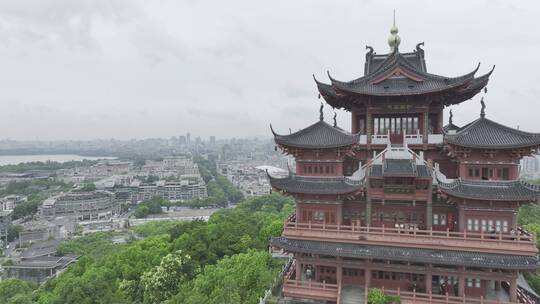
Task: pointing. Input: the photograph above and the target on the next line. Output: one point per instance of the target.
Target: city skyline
(127, 70)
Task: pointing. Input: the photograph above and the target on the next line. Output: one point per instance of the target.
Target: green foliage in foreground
(14, 291)
(155, 228)
(236, 279)
(95, 246)
(529, 218)
(223, 260)
(377, 296)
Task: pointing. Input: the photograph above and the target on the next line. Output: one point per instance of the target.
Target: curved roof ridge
(488, 134)
(485, 120)
(318, 135)
(293, 183)
(399, 61)
(517, 131)
(511, 190)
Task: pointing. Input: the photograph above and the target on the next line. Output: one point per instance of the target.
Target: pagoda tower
(424, 211)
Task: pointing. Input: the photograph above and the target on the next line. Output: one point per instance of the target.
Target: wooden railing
(522, 243)
(522, 295)
(295, 287)
(417, 297)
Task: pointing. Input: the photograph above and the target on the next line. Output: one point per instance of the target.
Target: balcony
(409, 139)
(308, 289)
(380, 139)
(429, 298)
(522, 244)
(413, 139)
(332, 292)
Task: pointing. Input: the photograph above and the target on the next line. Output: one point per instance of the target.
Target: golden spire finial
(394, 39)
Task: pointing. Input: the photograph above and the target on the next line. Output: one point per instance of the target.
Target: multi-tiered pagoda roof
(319, 135)
(516, 190)
(400, 74)
(406, 254)
(315, 185)
(487, 134)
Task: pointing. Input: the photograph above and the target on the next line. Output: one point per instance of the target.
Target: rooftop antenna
(321, 115)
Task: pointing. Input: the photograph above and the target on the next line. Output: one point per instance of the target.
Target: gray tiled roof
(432, 256)
(403, 84)
(315, 185)
(413, 80)
(399, 167)
(375, 61)
(318, 135)
(492, 190)
(485, 133)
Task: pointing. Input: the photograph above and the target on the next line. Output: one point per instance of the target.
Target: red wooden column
(428, 279)
(298, 269)
(461, 218)
(429, 210)
(514, 223)
(369, 124)
(339, 270)
(513, 287)
(339, 214)
(440, 122)
(425, 127)
(368, 209)
(461, 282)
(354, 122)
(367, 278)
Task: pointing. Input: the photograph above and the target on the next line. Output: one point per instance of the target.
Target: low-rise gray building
(92, 205)
(174, 191)
(38, 269)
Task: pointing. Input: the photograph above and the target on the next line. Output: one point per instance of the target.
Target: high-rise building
(424, 211)
(530, 166)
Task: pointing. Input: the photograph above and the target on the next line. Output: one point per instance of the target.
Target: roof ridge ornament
(450, 118)
(483, 110)
(394, 39)
(418, 47)
(321, 115)
(370, 51)
(335, 119)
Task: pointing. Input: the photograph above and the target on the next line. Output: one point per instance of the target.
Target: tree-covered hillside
(224, 260)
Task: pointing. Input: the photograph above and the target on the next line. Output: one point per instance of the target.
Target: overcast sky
(135, 69)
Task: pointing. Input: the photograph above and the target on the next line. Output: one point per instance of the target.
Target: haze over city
(134, 69)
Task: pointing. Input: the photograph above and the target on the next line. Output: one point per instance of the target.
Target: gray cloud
(91, 69)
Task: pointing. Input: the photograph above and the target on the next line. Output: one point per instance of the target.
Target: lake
(61, 158)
